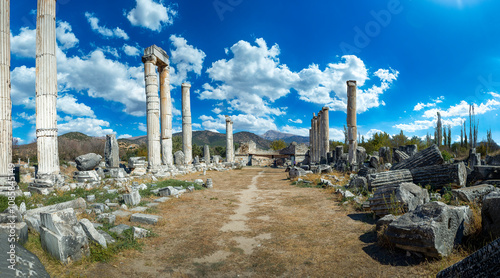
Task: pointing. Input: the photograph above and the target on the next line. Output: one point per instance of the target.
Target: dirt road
(253, 223)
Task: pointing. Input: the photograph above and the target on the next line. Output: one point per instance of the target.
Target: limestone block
(132, 199)
(92, 233)
(88, 161)
(145, 218)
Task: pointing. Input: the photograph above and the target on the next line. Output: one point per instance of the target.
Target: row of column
(319, 136)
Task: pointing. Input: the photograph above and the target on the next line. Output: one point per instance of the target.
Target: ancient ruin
(319, 139)
(229, 140)
(352, 131)
(166, 113)
(187, 131)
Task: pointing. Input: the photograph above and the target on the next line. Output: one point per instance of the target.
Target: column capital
(163, 67)
(149, 59)
(326, 108)
(351, 83)
(186, 85)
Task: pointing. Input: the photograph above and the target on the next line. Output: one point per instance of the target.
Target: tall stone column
(320, 135)
(316, 138)
(153, 112)
(5, 101)
(352, 131)
(46, 92)
(111, 152)
(311, 147)
(166, 116)
(206, 154)
(229, 140)
(325, 127)
(187, 131)
(313, 128)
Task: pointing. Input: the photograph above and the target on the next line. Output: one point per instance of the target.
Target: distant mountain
(287, 137)
(210, 138)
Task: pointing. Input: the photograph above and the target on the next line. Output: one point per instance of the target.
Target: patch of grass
(176, 183)
(152, 210)
(4, 201)
(123, 242)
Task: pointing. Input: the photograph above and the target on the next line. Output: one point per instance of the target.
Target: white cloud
(16, 124)
(23, 86)
(295, 130)
(142, 127)
(123, 136)
(495, 95)
(30, 118)
(217, 110)
(433, 103)
(131, 50)
(104, 31)
(251, 80)
(19, 140)
(64, 35)
(249, 123)
(24, 44)
(151, 15)
(372, 132)
(88, 126)
(336, 134)
(428, 124)
(462, 109)
(297, 121)
(196, 125)
(185, 58)
(68, 104)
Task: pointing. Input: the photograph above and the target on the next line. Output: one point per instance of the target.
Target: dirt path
(255, 224)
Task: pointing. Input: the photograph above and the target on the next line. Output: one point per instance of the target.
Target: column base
(47, 181)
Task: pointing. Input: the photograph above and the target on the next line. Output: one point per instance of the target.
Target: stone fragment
(358, 183)
(199, 182)
(473, 193)
(140, 232)
(121, 213)
(107, 218)
(119, 229)
(389, 177)
(137, 162)
(187, 131)
(87, 162)
(360, 155)
(139, 209)
(145, 218)
(62, 237)
(385, 221)
(132, 199)
(90, 198)
(32, 216)
(427, 157)
(374, 160)
(209, 183)
(109, 239)
(399, 156)
(162, 200)
(168, 191)
(385, 155)
(493, 160)
(439, 176)
(397, 198)
(26, 263)
(431, 229)
(20, 230)
(111, 152)
(490, 214)
(179, 158)
(296, 172)
(87, 176)
(92, 233)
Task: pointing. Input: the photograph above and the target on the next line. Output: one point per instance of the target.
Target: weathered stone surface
(493, 160)
(179, 158)
(206, 154)
(140, 232)
(26, 264)
(92, 233)
(111, 152)
(385, 155)
(132, 199)
(474, 158)
(410, 150)
(366, 171)
(62, 237)
(486, 172)
(209, 183)
(107, 218)
(389, 177)
(440, 175)
(397, 198)
(358, 183)
(20, 230)
(162, 200)
(168, 191)
(374, 161)
(490, 213)
(399, 156)
(360, 155)
(109, 239)
(87, 176)
(296, 172)
(116, 173)
(427, 157)
(137, 162)
(145, 218)
(87, 162)
(473, 193)
(119, 229)
(385, 221)
(216, 159)
(431, 229)
(485, 262)
(32, 216)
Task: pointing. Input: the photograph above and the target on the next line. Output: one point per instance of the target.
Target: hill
(287, 137)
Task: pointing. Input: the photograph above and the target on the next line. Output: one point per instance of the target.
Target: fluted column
(325, 127)
(352, 131)
(46, 89)
(311, 145)
(153, 112)
(5, 101)
(316, 138)
(187, 131)
(313, 128)
(320, 135)
(229, 140)
(166, 116)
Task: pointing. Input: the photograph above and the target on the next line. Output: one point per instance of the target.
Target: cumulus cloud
(297, 121)
(151, 15)
(462, 109)
(68, 104)
(142, 127)
(65, 36)
(295, 130)
(217, 110)
(433, 103)
(124, 136)
(337, 134)
(372, 132)
(89, 126)
(185, 58)
(24, 44)
(23, 86)
(103, 30)
(131, 50)
(251, 80)
(249, 123)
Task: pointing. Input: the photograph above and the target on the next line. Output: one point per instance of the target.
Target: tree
(345, 135)
(465, 135)
(449, 137)
(400, 139)
(489, 141)
(278, 145)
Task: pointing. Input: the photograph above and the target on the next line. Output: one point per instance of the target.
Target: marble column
(153, 112)
(187, 131)
(206, 154)
(313, 138)
(5, 101)
(311, 147)
(316, 138)
(325, 127)
(46, 91)
(229, 140)
(352, 131)
(111, 152)
(166, 116)
(320, 135)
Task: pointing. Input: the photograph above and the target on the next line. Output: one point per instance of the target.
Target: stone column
(316, 138)
(325, 127)
(187, 132)
(313, 128)
(352, 131)
(153, 112)
(321, 135)
(46, 92)
(111, 152)
(5, 102)
(166, 116)
(229, 140)
(311, 148)
(206, 154)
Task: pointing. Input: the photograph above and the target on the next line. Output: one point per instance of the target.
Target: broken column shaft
(325, 128)
(187, 132)
(229, 140)
(5, 101)
(46, 90)
(153, 111)
(166, 117)
(351, 121)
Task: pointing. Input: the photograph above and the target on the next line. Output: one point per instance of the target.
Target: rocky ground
(254, 223)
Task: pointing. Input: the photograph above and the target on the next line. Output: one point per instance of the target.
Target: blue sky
(268, 64)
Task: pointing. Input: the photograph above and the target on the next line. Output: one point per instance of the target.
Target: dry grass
(290, 232)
